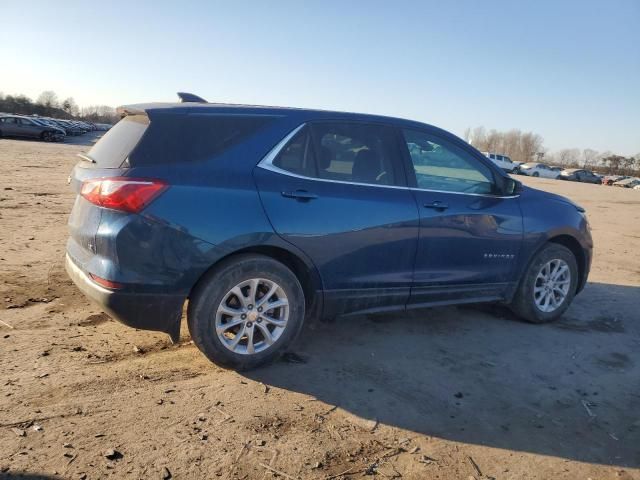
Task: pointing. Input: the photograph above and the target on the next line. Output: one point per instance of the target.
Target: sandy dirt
(445, 393)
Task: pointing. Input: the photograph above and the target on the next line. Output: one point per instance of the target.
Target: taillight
(122, 193)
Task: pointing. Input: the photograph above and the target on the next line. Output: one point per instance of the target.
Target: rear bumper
(145, 311)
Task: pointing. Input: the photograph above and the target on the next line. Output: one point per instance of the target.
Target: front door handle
(437, 205)
(302, 195)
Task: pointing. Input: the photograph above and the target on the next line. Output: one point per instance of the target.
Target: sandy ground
(444, 393)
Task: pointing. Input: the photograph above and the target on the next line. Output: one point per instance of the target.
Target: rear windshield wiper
(86, 157)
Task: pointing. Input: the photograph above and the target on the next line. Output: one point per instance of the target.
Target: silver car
(18, 126)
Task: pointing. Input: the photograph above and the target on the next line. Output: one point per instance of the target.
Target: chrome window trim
(267, 164)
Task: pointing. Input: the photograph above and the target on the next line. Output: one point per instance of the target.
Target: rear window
(116, 145)
(172, 138)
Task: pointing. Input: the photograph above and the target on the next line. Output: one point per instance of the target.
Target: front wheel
(47, 136)
(548, 286)
(246, 312)
(536, 174)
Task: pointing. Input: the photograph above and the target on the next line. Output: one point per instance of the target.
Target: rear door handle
(300, 195)
(437, 205)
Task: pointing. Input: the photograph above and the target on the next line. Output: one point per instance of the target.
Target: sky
(568, 70)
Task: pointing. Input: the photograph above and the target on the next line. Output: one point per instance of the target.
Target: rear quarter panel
(211, 209)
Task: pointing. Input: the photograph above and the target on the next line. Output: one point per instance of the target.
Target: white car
(502, 161)
(637, 187)
(539, 170)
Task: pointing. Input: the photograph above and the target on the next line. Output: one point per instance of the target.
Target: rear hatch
(107, 158)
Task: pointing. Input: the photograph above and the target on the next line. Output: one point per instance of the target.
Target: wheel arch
(304, 270)
(566, 240)
(574, 246)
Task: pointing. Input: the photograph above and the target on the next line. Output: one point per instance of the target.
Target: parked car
(502, 161)
(611, 179)
(627, 182)
(538, 170)
(580, 175)
(19, 126)
(637, 187)
(70, 127)
(264, 218)
(43, 123)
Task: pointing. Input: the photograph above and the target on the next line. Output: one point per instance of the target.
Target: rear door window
(358, 153)
(297, 156)
(345, 152)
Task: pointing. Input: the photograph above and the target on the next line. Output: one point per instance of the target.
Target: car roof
(231, 108)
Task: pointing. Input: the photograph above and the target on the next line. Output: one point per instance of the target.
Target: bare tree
(493, 141)
(466, 136)
(479, 138)
(48, 99)
(530, 144)
(69, 105)
(589, 158)
(569, 157)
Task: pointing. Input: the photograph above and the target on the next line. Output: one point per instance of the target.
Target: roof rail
(190, 97)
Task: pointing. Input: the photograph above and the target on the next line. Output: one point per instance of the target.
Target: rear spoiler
(141, 108)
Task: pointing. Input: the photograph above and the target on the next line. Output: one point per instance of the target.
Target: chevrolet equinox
(261, 217)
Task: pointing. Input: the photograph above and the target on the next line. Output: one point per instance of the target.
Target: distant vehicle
(70, 127)
(611, 179)
(261, 217)
(637, 187)
(18, 126)
(502, 161)
(580, 175)
(627, 182)
(44, 123)
(539, 170)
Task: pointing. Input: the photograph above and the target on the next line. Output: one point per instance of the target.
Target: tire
(214, 293)
(535, 174)
(47, 136)
(524, 302)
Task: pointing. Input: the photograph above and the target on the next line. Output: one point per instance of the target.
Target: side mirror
(512, 187)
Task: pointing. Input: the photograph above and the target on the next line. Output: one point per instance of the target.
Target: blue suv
(259, 218)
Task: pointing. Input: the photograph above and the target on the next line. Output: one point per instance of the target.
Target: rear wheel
(47, 136)
(536, 174)
(548, 286)
(246, 312)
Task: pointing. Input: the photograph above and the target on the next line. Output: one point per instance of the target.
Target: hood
(534, 193)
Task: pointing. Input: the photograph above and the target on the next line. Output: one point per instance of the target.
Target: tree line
(529, 147)
(48, 105)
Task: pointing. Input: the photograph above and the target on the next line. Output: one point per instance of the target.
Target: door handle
(437, 205)
(301, 195)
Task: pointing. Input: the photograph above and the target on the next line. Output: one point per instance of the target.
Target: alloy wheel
(552, 285)
(252, 316)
